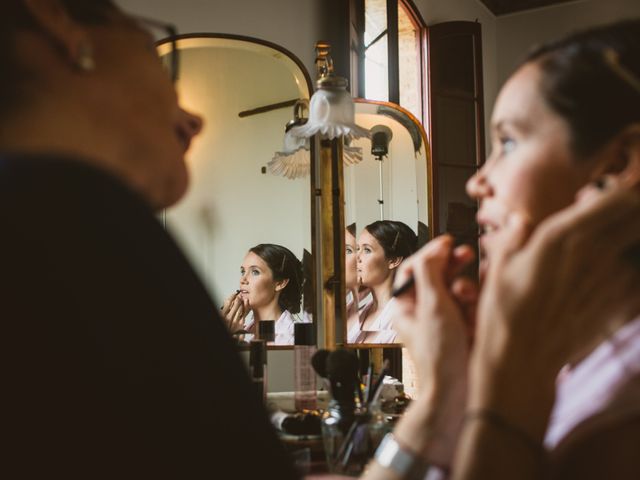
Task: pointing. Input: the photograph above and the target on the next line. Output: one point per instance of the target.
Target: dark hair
(396, 238)
(351, 228)
(579, 83)
(285, 266)
(14, 17)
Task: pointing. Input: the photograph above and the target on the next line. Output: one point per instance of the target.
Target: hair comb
(612, 60)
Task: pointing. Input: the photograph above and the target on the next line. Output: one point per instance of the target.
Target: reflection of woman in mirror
(270, 289)
(382, 246)
(354, 290)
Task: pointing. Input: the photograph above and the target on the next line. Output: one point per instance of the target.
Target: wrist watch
(404, 463)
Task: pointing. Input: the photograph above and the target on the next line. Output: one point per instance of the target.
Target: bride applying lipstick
(270, 289)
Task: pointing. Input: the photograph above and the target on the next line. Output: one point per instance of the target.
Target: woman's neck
(382, 292)
(271, 311)
(381, 295)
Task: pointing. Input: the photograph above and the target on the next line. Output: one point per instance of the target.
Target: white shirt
(284, 329)
(608, 379)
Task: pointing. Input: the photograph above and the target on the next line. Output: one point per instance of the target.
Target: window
(390, 51)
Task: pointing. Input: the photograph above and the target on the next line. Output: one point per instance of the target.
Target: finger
(430, 268)
(598, 213)
(513, 235)
(228, 301)
(461, 257)
(238, 320)
(465, 290)
(234, 308)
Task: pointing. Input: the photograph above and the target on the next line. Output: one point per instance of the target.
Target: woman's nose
(190, 124)
(478, 185)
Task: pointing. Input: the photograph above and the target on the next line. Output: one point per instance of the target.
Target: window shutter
(456, 123)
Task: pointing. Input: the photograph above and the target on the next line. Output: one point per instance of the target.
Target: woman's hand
(550, 301)
(434, 323)
(234, 311)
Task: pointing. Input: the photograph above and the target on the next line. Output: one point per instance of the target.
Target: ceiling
(501, 7)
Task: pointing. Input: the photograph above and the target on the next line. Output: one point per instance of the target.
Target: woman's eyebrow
(517, 123)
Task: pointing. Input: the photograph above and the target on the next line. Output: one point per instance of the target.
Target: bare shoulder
(600, 448)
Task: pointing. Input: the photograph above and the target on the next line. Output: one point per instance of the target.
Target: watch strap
(404, 463)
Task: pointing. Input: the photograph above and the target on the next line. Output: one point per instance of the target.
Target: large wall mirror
(245, 90)
(392, 184)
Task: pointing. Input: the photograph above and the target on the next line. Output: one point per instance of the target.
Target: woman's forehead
(520, 102)
(252, 259)
(367, 239)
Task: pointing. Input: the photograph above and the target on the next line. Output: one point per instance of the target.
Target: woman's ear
(69, 36)
(395, 262)
(631, 153)
(622, 157)
(281, 284)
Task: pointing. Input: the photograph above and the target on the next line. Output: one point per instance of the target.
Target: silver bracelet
(405, 464)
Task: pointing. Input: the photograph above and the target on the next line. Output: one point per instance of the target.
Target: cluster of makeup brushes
(341, 369)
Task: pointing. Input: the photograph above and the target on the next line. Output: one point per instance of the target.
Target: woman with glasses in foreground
(114, 367)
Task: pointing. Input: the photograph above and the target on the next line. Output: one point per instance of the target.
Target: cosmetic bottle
(304, 375)
(267, 330)
(258, 367)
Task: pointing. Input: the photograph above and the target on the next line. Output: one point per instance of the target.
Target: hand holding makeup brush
(234, 311)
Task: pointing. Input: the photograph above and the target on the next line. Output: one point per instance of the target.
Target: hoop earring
(84, 59)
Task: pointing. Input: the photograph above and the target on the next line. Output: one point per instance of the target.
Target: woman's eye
(255, 273)
(349, 250)
(507, 144)
(367, 250)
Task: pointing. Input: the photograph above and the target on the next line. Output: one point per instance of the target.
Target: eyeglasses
(163, 34)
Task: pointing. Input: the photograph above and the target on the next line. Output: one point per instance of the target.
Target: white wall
(290, 23)
(518, 32)
(231, 205)
(400, 174)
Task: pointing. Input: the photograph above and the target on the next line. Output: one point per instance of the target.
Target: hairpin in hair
(612, 60)
(395, 242)
(284, 259)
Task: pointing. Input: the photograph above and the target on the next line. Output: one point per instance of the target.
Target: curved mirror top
(245, 90)
(388, 210)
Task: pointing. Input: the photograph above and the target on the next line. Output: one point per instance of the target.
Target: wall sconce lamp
(331, 115)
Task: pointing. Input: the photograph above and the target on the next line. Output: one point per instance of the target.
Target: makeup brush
(396, 292)
(375, 391)
(348, 444)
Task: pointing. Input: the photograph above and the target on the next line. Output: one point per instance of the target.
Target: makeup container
(267, 330)
(304, 375)
(258, 367)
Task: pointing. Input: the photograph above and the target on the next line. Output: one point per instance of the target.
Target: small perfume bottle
(258, 367)
(305, 376)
